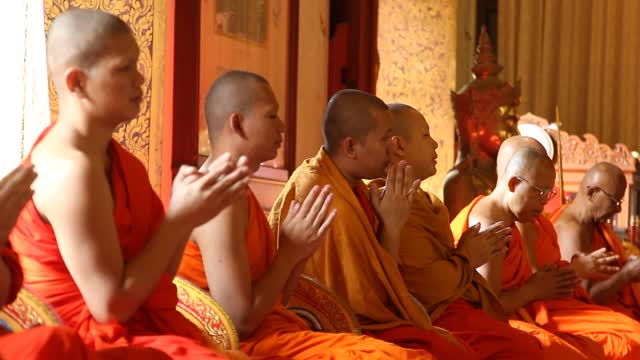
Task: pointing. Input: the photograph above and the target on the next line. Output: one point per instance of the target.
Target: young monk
(441, 277)
(359, 259)
(582, 227)
(549, 290)
(94, 241)
(42, 342)
(251, 279)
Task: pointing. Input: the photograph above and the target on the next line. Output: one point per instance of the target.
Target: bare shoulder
(484, 212)
(224, 227)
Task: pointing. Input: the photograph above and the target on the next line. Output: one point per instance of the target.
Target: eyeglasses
(545, 195)
(615, 201)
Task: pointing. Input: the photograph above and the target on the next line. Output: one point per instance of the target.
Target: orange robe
(58, 342)
(618, 335)
(137, 214)
(628, 299)
(283, 333)
(457, 297)
(353, 264)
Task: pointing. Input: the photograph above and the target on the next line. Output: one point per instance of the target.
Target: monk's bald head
(606, 176)
(528, 163)
(404, 120)
(512, 145)
(78, 38)
(233, 92)
(350, 113)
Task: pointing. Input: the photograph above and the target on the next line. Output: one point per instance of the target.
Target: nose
(281, 126)
(139, 77)
(435, 143)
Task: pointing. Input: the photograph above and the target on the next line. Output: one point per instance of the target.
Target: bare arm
(603, 292)
(75, 197)
(225, 255)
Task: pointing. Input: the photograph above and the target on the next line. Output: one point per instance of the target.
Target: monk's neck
(82, 134)
(234, 152)
(342, 166)
(578, 211)
(500, 208)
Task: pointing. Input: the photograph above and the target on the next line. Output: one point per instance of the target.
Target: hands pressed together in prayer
(15, 191)
(199, 195)
(393, 204)
(304, 228)
(597, 265)
(482, 245)
(551, 282)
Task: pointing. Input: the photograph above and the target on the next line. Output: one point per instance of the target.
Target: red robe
(137, 213)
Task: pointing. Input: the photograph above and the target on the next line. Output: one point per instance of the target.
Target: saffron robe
(618, 335)
(137, 214)
(457, 297)
(627, 300)
(353, 264)
(46, 342)
(282, 332)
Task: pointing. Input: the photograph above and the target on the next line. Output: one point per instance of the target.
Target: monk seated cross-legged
(359, 258)
(235, 256)
(582, 227)
(531, 280)
(94, 242)
(441, 277)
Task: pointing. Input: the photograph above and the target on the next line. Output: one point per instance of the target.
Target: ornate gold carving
(28, 311)
(311, 297)
(197, 306)
(582, 154)
(133, 135)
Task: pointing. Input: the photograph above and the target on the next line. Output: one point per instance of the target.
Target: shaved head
(78, 38)
(350, 113)
(404, 119)
(527, 162)
(513, 144)
(233, 92)
(604, 175)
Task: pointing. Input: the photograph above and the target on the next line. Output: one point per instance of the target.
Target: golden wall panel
(139, 14)
(417, 47)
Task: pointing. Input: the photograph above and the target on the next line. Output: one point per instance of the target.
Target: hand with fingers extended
(199, 195)
(597, 265)
(15, 191)
(306, 224)
(483, 245)
(393, 205)
(551, 282)
(631, 269)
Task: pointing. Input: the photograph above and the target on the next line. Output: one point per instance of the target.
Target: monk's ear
(398, 146)
(236, 124)
(75, 81)
(591, 191)
(348, 145)
(513, 182)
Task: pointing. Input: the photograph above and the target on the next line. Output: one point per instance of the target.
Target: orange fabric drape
(137, 214)
(281, 332)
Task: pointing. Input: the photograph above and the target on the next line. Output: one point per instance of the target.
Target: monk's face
(373, 152)
(420, 150)
(606, 199)
(263, 127)
(530, 192)
(113, 85)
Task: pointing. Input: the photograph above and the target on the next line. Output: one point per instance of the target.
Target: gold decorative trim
(310, 292)
(28, 311)
(198, 306)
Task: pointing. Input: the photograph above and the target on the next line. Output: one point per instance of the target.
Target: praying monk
(251, 279)
(94, 241)
(443, 278)
(599, 263)
(548, 293)
(582, 226)
(42, 342)
(359, 258)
